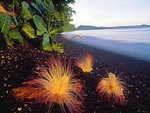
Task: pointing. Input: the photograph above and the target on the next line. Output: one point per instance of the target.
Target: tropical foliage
(34, 19)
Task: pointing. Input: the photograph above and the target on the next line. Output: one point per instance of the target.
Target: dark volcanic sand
(17, 64)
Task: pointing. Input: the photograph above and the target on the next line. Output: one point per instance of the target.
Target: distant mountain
(87, 27)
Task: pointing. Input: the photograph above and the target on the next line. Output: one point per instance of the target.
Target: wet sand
(17, 64)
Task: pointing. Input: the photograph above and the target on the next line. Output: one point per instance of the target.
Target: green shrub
(39, 18)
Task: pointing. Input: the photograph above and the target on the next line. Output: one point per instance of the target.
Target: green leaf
(41, 5)
(58, 47)
(49, 10)
(37, 8)
(29, 31)
(57, 30)
(15, 34)
(39, 2)
(45, 41)
(4, 23)
(40, 24)
(38, 33)
(51, 6)
(25, 12)
(49, 48)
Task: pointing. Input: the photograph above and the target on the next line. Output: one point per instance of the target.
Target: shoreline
(129, 43)
(19, 62)
(106, 57)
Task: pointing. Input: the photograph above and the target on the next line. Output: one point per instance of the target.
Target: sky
(111, 12)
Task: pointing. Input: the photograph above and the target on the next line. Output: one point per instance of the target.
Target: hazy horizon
(114, 26)
(110, 13)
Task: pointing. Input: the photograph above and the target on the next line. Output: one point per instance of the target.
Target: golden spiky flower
(55, 84)
(85, 63)
(112, 88)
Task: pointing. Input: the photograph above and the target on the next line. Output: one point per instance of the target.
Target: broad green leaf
(57, 30)
(50, 6)
(25, 12)
(15, 34)
(38, 33)
(28, 30)
(37, 8)
(4, 23)
(49, 10)
(40, 24)
(45, 41)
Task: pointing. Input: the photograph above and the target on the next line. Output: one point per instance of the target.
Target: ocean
(133, 42)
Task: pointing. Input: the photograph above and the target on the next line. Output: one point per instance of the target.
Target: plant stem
(7, 40)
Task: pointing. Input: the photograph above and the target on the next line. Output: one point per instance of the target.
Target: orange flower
(112, 88)
(55, 84)
(85, 63)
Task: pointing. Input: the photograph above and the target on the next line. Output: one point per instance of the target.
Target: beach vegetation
(35, 19)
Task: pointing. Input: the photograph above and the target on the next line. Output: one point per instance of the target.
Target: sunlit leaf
(58, 47)
(46, 40)
(25, 12)
(49, 48)
(40, 24)
(28, 30)
(15, 34)
(38, 33)
(4, 23)
(50, 6)
(57, 30)
(49, 12)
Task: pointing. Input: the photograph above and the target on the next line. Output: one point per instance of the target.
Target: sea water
(133, 42)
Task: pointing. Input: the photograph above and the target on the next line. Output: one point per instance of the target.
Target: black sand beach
(17, 64)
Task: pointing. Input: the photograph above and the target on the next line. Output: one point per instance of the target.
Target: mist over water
(130, 42)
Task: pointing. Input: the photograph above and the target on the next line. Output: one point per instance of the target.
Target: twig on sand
(69, 37)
